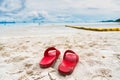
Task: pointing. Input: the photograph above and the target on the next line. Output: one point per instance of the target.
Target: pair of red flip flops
(70, 59)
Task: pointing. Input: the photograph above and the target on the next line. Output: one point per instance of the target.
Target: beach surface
(21, 49)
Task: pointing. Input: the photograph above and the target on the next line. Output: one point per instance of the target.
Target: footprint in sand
(29, 72)
(117, 56)
(2, 47)
(16, 59)
(99, 77)
(102, 74)
(28, 65)
(5, 54)
(23, 77)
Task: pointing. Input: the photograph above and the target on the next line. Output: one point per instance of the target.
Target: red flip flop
(50, 56)
(69, 62)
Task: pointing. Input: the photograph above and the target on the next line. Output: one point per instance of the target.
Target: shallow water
(98, 24)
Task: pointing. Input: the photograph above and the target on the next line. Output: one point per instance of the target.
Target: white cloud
(74, 6)
(52, 8)
(10, 5)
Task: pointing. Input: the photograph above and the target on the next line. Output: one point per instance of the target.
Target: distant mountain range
(117, 20)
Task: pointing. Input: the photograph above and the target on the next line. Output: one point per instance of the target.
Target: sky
(59, 10)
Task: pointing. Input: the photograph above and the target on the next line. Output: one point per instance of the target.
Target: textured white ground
(22, 48)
